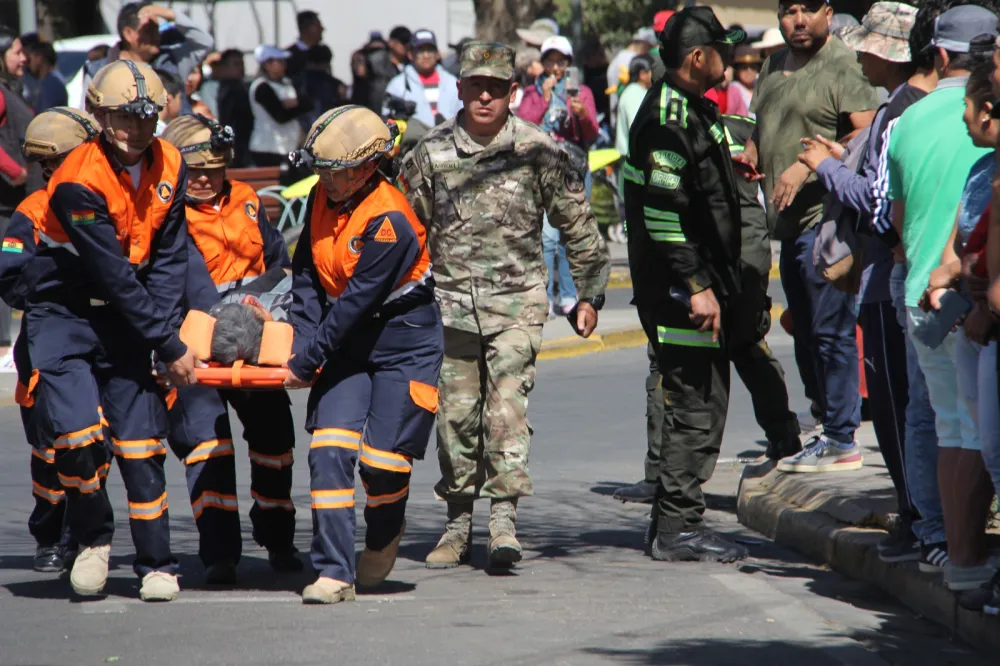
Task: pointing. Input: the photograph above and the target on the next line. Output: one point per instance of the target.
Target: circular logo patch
(251, 210)
(164, 190)
(355, 245)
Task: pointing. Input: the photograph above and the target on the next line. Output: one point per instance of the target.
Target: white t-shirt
(135, 171)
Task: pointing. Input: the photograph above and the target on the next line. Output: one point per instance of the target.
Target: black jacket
(682, 201)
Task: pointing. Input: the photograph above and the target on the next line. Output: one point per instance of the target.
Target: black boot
(643, 492)
(702, 545)
(221, 573)
(48, 559)
(285, 560)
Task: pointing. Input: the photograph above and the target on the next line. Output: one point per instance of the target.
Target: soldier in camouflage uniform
(481, 184)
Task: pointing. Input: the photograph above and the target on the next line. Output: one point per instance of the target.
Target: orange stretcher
(275, 350)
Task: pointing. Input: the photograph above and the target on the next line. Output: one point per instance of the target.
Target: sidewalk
(839, 519)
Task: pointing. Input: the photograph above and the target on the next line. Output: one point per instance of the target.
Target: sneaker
(221, 573)
(48, 559)
(933, 557)
(899, 548)
(285, 560)
(703, 545)
(643, 492)
(328, 591)
(963, 579)
(808, 421)
(90, 571)
(159, 586)
(824, 455)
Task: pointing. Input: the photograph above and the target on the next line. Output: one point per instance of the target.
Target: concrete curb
(577, 346)
(850, 549)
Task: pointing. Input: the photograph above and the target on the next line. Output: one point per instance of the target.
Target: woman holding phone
(564, 108)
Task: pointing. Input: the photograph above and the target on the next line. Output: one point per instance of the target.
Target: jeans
(952, 416)
(921, 437)
(554, 253)
(824, 321)
(976, 370)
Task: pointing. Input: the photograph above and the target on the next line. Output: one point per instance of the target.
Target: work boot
(374, 566)
(504, 550)
(327, 591)
(90, 571)
(285, 560)
(221, 573)
(159, 586)
(643, 492)
(48, 559)
(455, 546)
(701, 545)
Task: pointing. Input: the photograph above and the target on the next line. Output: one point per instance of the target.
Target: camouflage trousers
(483, 435)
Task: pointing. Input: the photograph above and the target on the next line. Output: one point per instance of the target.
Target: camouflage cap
(884, 32)
(491, 59)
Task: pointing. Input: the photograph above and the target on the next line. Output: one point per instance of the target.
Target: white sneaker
(90, 571)
(159, 586)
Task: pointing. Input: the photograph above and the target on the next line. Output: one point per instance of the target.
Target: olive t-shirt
(814, 99)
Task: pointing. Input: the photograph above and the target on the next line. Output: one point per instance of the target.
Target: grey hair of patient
(237, 335)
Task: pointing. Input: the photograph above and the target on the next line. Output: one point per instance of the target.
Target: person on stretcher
(231, 237)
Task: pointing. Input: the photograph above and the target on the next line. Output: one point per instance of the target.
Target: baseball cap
(267, 52)
(423, 37)
(539, 30)
(557, 43)
(491, 59)
(957, 27)
(771, 38)
(884, 31)
(647, 35)
(746, 55)
(692, 27)
(660, 19)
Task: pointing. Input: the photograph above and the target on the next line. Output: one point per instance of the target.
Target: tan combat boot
(90, 571)
(374, 566)
(504, 549)
(327, 591)
(455, 546)
(159, 586)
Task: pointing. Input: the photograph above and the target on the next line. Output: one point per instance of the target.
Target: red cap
(661, 19)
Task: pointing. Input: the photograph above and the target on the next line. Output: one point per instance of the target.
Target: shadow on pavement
(607, 488)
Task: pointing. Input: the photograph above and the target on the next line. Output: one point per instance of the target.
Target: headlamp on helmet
(221, 139)
(345, 138)
(128, 87)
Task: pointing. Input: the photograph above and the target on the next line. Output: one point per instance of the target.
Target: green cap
(491, 59)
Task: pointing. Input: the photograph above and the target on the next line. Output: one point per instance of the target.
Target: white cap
(771, 38)
(266, 52)
(557, 43)
(647, 35)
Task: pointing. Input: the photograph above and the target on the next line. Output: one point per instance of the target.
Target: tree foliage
(614, 21)
(496, 20)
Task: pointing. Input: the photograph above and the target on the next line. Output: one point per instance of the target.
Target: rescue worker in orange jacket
(50, 136)
(103, 297)
(368, 334)
(230, 229)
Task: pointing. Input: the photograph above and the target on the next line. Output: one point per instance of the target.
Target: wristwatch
(597, 302)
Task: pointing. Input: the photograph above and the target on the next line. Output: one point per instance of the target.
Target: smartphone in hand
(573, 81)
(746, 170)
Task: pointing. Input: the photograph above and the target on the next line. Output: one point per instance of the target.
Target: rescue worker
(482, 183)
(229, 227)
(368, 334)
(750, 321)
(103, 297)
(682, 208)
(50, 136)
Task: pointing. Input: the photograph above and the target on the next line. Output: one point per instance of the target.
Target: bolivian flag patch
(82, 217)
(13, 245)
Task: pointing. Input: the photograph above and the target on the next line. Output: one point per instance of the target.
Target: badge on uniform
(355, 244)
(385, 233)
(573, 180)
(164, 190)
(251, 210)
(82, 217)
(13, 245)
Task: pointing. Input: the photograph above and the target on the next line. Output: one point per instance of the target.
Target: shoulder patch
(164, 191)
(386, 233)
(13, 245)
(251, 210)
(355, 244)
(664, 181)
(82, 217)
(668, 158)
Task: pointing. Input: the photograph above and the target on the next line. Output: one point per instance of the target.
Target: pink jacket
(582, 130)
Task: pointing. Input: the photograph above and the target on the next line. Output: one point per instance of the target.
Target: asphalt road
(585, 594)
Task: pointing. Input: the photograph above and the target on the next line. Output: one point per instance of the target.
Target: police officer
(683, 212)
(368, 334)
(749, 322)
(233, 237)
(104, 295)
(50, 136)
